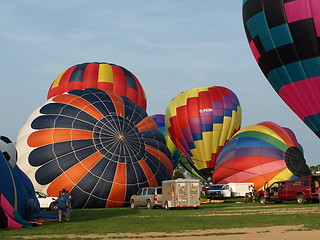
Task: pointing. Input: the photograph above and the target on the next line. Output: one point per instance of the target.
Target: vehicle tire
(262, 200)
(166, 206)
(149, 205)
(53, 206)
(133, 205)
(300, 199)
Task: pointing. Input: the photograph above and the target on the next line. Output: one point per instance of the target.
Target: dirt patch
(250, 211)
(265, 233)
(272, 211)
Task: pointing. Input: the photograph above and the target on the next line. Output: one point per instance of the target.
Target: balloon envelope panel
(176, 155)
(261, 153)
(284, 39)
(8, 150)
(200, 121)
(100, 146)
(104, 76)
(12, 187)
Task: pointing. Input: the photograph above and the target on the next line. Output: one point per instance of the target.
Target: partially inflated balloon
(22, 182)
(176, 155)
(261, 153)
(200, 121)
(12, 186)
(284, 39)
(100, 146)
(104, 76)
(8, 150)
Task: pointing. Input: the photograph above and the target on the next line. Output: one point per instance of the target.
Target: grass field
(208, 216)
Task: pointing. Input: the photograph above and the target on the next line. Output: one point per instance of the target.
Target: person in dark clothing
(62, 206)
(67, 197)
(31, 206)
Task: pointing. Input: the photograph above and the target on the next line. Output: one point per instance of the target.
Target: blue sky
(171, 46)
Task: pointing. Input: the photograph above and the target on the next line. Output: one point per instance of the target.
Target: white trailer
(221, 191)
(239, 189)
(181, 193)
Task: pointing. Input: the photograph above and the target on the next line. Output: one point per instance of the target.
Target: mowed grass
(208, 216)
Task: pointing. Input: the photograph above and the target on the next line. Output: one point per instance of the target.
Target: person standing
(71, 200)
(67, 197)
(318, 191)
(31, 206)
(251, 192)
(62, 206)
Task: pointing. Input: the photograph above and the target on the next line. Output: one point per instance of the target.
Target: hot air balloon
(261, 153)
(284, 39)
(8, 150)
(12, 187)
(97, 144)
(200, 121)
(176, 155)
(18, 187)
(9, 218)
(104, 76)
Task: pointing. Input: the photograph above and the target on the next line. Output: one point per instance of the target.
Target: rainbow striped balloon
(261, 153)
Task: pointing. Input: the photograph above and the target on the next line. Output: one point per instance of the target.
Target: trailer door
(194, 194)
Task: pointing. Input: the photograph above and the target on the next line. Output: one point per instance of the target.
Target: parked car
(47, 202)
(300, 189)
(149, 197)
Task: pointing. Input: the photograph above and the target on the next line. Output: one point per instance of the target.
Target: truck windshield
(217, 187)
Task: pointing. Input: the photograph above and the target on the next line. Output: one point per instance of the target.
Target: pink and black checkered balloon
(284, 38)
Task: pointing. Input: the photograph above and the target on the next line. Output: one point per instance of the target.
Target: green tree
(179, 172)
(315, 169)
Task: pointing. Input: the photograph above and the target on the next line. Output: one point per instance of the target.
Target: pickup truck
(300, 189)
(218, 191)
(228, 190)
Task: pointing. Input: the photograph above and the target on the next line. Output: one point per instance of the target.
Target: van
(150, 197)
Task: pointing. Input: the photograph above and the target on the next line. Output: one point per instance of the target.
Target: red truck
(300, 189)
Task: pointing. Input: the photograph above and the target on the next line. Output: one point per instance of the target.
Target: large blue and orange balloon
(265, 152)
(176, 156)
(200, 121)
(103, 76)
(97, 144)
(284, 39)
